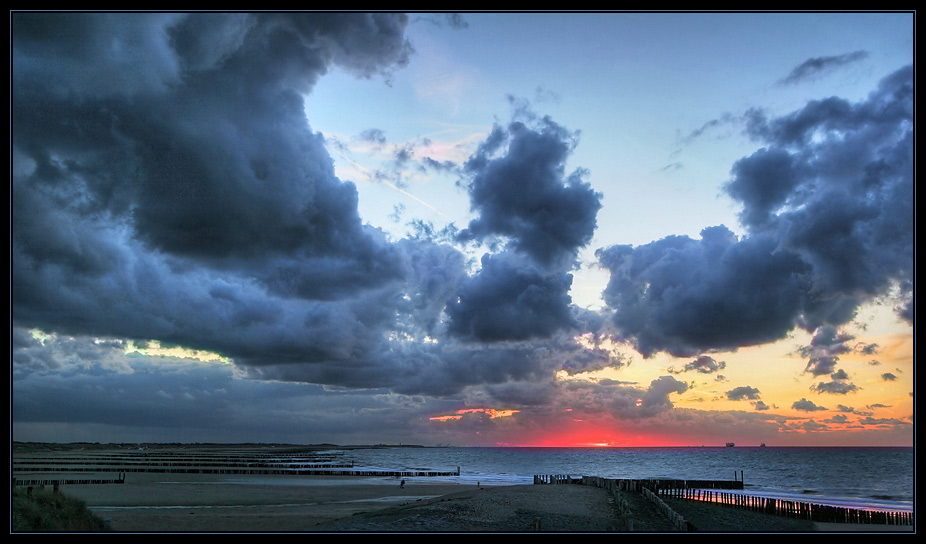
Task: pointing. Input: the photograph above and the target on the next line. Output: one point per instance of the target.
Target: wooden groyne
(266, 471)
(638, 484)
(792, 509)
(55, 482)
(553, 479)
(644, 487)
(250, 461)
(677, 519)
(707, 491)
(297, 463)
(84, 465)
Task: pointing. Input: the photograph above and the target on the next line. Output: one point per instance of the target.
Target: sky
(472, 229)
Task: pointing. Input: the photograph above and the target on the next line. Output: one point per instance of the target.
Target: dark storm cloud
(166, 185)
(828, 208)
(685, 296)
(510, 300)
(539, 218)
(435, 369)
(518, 185)
(849, 211)
(766, 180)
(208, 165)
(819, 65)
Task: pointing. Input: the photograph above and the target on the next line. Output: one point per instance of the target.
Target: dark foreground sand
(207, 503)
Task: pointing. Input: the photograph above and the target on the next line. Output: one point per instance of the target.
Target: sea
(873, 478)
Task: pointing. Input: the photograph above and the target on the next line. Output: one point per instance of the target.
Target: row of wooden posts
(637, 485)
(257, 471)
(85, 467)
(706, 491)
(792, 509)
(31, 484)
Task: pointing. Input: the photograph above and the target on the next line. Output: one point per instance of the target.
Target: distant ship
(730, 444)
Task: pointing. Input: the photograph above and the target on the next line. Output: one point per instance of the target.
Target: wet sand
(214, 503)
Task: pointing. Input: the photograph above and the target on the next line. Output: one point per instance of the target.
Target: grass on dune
(43, 510)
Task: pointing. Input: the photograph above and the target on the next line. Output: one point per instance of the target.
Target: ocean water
(869, 478)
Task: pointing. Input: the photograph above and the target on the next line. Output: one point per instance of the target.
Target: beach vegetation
(44, 510)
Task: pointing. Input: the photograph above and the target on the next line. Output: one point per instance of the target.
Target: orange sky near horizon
(789, 407)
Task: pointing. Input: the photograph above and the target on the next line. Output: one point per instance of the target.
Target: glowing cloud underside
(493, 414)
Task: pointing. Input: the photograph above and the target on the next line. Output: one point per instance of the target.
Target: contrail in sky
(394, 186)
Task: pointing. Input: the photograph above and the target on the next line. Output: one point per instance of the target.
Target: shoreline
(213, 503)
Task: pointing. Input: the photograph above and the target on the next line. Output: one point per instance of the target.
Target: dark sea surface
(870, 478)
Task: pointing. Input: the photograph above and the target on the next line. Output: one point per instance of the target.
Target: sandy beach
(232, 503)
(194, 502)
